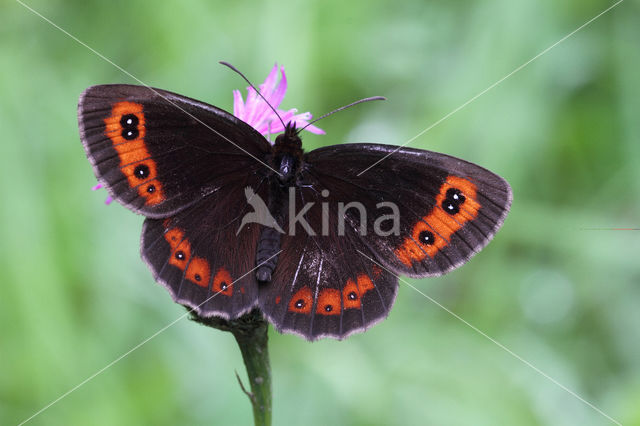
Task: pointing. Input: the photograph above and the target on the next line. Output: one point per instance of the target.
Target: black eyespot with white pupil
(223, 285)
(455, 195)
(180, 255)
(130, 134)
(151, 188)
(129, 120)
(141, 171)
(450, 207)
(453, 200)
(352, 295)
(426, 237)
(299, 304)
(328, 308)
(129, 123)
(197, 277)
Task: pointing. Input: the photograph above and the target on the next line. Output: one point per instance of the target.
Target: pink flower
(107, 200)
(257, 113)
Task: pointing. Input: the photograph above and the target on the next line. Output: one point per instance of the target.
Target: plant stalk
(251, 334)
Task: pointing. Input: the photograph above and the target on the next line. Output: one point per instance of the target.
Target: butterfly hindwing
(448, 209)
(158, 152)
(198, 257)
(326, 285)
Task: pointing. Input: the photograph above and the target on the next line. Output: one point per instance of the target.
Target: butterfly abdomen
(270, 236)
(266, 256)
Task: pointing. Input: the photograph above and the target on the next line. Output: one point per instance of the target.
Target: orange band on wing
(331, 301)
(432, 232)
(328, 302)
(126, 129)
(222, 283)
(353, 291)
(301, 302)
(198, 270)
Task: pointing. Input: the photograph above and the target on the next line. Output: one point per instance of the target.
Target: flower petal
(314, 129)
(258, 114)
(280, 90)
(269, 84)
(258, 109)
(272, 93)
(238, 104)
(251, 105)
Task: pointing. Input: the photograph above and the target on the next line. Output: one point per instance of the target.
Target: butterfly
(327, 260)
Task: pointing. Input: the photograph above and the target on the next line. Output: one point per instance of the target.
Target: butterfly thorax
(287, 155)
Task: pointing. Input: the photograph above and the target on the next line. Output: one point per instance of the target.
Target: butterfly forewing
(158, 152)
(447, 209)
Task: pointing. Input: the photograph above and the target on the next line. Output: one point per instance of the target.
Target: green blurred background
(564, 131)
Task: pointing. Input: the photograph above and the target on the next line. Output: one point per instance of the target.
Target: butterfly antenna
(227, 64)
(373, 98)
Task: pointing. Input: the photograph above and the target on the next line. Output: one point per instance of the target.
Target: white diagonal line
(103, 369)
(145, 85)
(494, 341)
(494, 85)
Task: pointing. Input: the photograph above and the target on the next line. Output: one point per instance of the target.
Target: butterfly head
(289, 137)
(287, 153)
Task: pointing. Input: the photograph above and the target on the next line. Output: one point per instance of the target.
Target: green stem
(250, 331)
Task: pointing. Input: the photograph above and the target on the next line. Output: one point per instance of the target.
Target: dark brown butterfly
(195, 171)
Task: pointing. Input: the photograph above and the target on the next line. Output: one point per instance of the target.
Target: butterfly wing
(199, 255)
(158, 152)
(326, 285)
(448, 209)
